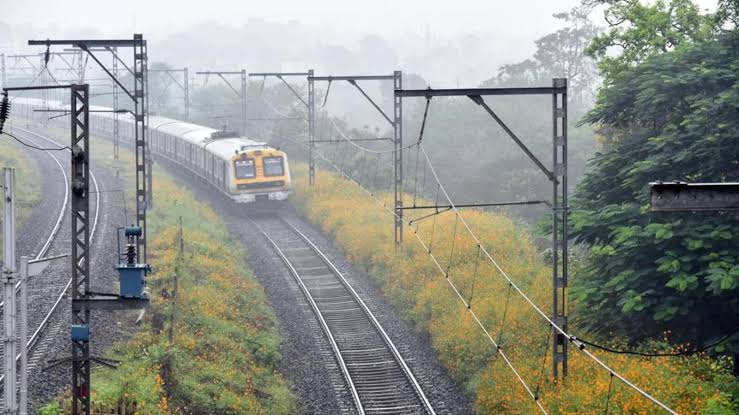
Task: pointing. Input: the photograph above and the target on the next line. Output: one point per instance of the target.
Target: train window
(273, 166)
(245, 169)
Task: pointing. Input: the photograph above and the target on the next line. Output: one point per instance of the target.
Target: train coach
(243, 169)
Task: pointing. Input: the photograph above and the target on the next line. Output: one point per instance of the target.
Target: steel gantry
(310, 104)
(184, 86)
(22, 64)
(395, 121)
(138, 72)
(82, 299)
(115, 93)
(557, 175)
(241, 93)
(80, 229)
(80, 144)
(74, 68)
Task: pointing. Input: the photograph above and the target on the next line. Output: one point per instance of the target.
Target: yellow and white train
(244, 170)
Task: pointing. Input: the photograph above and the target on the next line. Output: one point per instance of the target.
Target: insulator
(131, 253)
(4, 110)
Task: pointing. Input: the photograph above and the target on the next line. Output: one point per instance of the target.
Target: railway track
(37, 343)
(376, 374)
(55, 230)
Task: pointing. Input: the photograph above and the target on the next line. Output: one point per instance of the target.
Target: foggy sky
(446, 42)
(387, 17)
(379, 16)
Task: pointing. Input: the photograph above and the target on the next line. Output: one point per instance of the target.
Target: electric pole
(9, 279)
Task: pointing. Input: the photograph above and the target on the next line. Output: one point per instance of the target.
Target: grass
(415, 285)
(27, 180)
(224, 355)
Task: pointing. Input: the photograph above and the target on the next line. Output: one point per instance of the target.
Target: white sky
(503, 31)
(158, 18)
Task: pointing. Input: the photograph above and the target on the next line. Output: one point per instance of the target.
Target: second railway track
(37, 341)
(379, 379)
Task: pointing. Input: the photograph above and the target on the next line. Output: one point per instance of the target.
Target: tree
(727, 14)
(638, 31)
(671, 116)
(561, 54)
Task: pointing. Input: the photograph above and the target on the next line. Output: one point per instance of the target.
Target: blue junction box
(132, 280)
(80, 333)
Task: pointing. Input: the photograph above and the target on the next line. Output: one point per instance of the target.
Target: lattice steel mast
(557, 175)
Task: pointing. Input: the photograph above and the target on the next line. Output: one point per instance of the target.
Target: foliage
(471, 151)
(672, 117)
(560, 54)
(53, 408)
(27, 180)
(640, 30)
(415, 285)
(225, 351)
(457, 125)
(727, 14)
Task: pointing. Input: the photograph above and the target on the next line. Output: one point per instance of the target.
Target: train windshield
(245, 169)
(273, 166)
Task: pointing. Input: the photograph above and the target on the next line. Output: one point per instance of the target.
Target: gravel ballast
(308, 362)
(106, 327)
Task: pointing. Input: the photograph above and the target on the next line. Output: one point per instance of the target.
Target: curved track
(36, 338)
(55, 230)
(378, 377)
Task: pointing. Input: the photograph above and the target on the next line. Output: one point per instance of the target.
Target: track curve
(35, 339)
(377, 375)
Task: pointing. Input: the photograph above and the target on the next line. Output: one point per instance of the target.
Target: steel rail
(377, 328)
(417, 388)
(45, 322)
(57, 225)
(580, 346)
(321, 320)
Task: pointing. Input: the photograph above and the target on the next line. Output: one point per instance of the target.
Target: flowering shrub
(224, 351)
(413, 282)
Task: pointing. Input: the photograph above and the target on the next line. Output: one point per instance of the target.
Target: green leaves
(665, 312)
(633, 303)
(641, 30)
(667, 115)
(683, 282)
(661, 231)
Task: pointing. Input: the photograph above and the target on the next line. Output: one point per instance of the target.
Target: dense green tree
(474, 157)
(672, 116)
(561, 54)
(637, 30)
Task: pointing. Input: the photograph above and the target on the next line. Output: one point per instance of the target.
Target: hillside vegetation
(224, 352)
(414, 284)
(27, 182)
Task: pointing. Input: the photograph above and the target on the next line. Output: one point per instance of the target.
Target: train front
(261, 173)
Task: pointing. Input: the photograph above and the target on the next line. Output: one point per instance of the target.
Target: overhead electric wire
(29, 84)
(660, 354)
(420, 135)
(580, 345)
(33, 146)
(276, 111)
(369, 150)
(499, 350)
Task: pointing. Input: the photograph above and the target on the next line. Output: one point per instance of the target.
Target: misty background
(440, 44)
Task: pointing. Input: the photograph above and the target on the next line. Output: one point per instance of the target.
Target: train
(244, 170)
